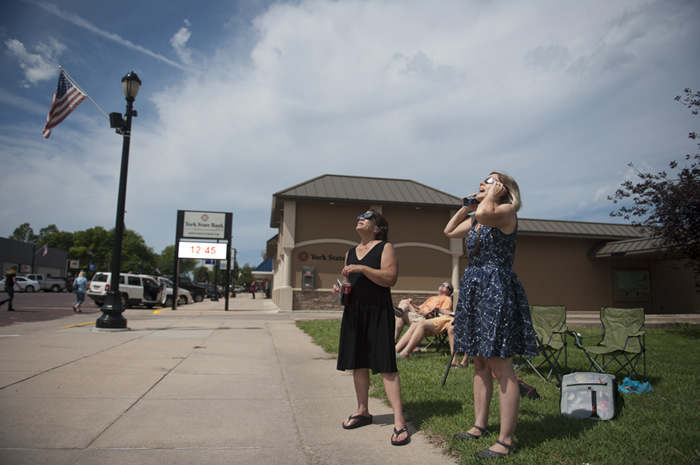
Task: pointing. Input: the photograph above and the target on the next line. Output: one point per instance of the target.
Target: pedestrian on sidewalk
(80, 288)
(252, 289)
(10, 282)
(367, 329)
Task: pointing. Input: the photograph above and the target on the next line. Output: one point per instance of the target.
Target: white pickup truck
(48, 284)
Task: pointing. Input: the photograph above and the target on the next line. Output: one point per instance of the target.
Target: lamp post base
(111, 322)
(112, 310)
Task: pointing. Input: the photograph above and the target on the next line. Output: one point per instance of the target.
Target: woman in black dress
(367, 331)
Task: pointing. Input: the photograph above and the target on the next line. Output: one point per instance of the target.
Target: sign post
(202, 226)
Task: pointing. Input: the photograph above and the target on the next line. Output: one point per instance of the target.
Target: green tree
(202, 275)
(234, 272)
(49, 235)
(668, 205)
(61, 240)
(246, 275)
(166, 260)
(46, 233)
(136, 255)
(93, 245)
(24, 233)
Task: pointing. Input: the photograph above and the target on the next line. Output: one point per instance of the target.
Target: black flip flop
(399, 433)
(361, 421)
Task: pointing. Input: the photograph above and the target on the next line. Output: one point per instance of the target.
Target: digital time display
(202, 250)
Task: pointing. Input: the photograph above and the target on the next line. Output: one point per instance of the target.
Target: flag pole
(81, 90)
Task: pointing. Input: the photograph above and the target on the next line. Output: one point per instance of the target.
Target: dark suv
(213, 290)
(198, 291)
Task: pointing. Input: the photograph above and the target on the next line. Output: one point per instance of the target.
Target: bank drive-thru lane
(196, 385)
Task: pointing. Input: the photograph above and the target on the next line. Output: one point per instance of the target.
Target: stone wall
(315, 300)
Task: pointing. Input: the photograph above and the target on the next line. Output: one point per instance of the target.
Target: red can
(346, 293)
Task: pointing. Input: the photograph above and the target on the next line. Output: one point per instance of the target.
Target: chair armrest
(562, 331)
(637, 335)
(578, 338)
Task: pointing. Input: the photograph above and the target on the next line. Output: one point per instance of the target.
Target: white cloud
(179, 43)
(372, 89)
(560, 95)
(87, 25)
(37, 67)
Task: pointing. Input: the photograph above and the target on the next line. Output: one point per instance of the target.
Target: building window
(627, 281)
(632, 286)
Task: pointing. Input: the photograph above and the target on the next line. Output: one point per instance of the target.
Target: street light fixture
(113, 307)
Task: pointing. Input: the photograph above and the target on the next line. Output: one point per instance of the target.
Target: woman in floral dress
(492, 318)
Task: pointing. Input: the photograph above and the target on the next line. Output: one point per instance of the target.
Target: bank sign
(204, 225)
(304, 257)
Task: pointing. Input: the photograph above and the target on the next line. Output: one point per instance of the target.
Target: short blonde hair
(513, 191)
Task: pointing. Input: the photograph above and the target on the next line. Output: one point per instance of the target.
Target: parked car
(47, 284)
(25, 285)
(135, 289)
(183, 295)
(213, 290)
(197, 290)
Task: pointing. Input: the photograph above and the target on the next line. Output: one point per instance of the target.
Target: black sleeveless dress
(367, 329)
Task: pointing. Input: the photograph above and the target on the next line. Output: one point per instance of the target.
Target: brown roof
(607, 231)
(629, 247)
(383, 191)
(380, 190)
(337, 188)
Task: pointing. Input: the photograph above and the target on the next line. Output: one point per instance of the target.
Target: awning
(636, 247)
(264, 270)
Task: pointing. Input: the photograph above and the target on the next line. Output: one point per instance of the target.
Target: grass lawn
(654, 428)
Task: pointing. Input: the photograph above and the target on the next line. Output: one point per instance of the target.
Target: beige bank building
(584, 266)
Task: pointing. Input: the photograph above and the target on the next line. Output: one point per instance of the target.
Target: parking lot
(43, 306)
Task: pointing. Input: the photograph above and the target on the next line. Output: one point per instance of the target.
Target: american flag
(65, 100)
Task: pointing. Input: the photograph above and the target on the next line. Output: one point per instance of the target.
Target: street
(42, 306)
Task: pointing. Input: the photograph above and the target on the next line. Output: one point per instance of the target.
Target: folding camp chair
(439, 342)
(549, 323)
(622, 339)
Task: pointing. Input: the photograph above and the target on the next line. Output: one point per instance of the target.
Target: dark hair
(449, 286)
(382, 225)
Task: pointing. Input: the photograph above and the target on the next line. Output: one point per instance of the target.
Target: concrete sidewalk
(194, 386)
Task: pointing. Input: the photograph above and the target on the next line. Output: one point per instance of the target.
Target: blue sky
(242, 99)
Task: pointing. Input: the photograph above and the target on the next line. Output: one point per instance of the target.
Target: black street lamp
(113, 307)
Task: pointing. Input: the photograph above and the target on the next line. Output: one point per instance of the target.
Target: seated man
(407, 313)
(426, 327)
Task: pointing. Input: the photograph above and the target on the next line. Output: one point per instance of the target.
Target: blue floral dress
(492, 318)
